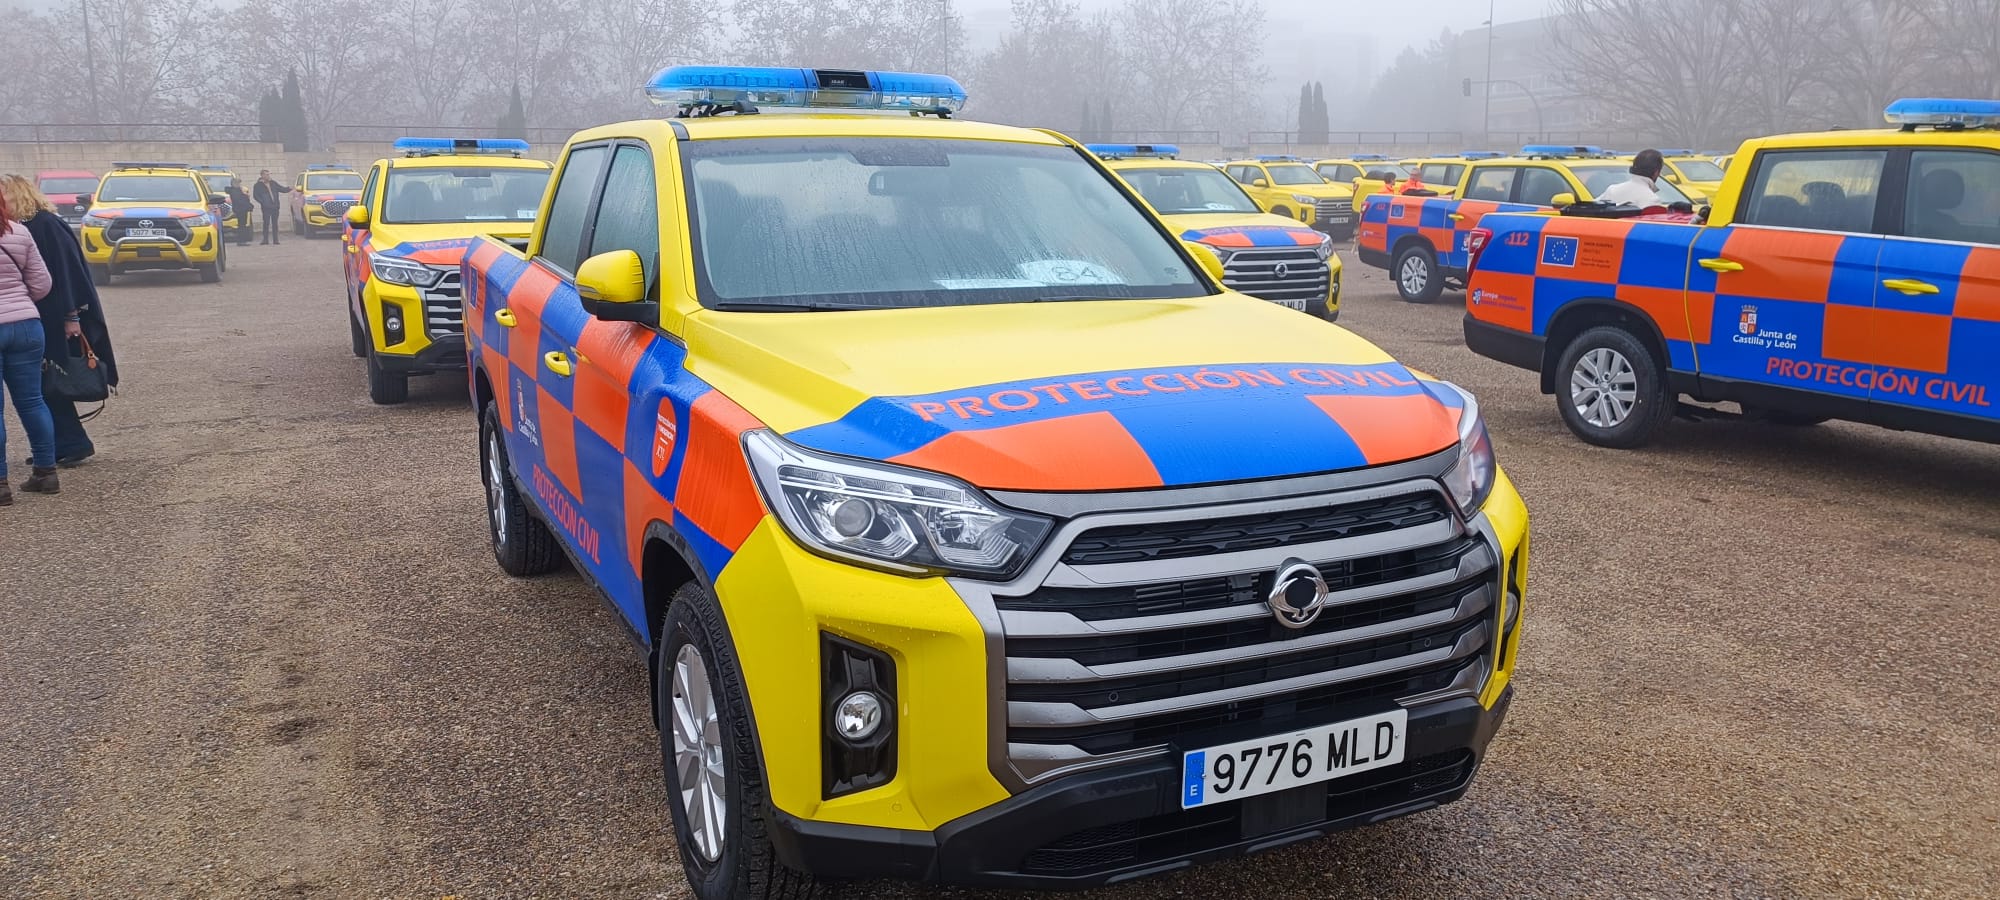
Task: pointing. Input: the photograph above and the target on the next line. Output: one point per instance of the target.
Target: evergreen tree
(1322, 122)
(292, 116)
(514, 124)
(1305, 112)
(267, 117)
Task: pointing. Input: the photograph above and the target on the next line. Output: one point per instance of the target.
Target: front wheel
(1417, 279)
(357, 335)
(386, 388)
(298, 226)
(1612, 392)
(100, 276)
(708, 749)
(211, 272)
(522, 543)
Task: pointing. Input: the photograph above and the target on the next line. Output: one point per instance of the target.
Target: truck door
(1791, 281)
(1937, 302)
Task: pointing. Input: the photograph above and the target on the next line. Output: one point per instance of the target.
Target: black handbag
(78, 379)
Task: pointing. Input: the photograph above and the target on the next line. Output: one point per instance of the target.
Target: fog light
(859, 714)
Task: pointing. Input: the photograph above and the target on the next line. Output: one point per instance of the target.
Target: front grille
(1293, 277)
(174, 228)
(1158, 634)
(444, 307)
(1329, 208)
(335, 208)
(1175, 834)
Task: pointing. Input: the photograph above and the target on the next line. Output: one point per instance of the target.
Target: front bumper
(130, 254)
(1119, 824)
(420, 349)
(1515, 348)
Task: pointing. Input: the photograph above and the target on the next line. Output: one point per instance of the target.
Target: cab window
(1821, 190)
(1445, 174)
(1339, 172)
(1540, 186)
(368, 190)
(1495, 183)
(1245, 174)
(563, 234)
(1954, 195)
(628, 217)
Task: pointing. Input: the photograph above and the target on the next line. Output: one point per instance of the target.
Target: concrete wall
(244, 158)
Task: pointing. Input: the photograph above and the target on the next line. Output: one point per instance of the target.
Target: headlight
(903, 520)
(1306, 199)
(96, 221)
(200, 220)
(1471, 479)
(1325, 248)
(402, 271)
(1221, 253)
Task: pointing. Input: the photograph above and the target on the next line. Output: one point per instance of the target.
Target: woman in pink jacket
(23, 280)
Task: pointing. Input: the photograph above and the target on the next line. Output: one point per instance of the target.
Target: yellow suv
(1264, 255)
(1358, 173)
(321, 195)
(1698, 176)
(405, 235)
(152, 215)
(1286, 186)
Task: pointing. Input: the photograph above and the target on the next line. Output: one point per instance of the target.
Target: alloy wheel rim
(496, 489)
(1603, 387)
(698, 754)
(1414, 275)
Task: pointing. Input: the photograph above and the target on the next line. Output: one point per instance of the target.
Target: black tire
(358, 335)
(221, 255)
(298, 225)
(1650, 406)
(384, 387)
(1285, 211)
(522, 543)
(746, 865)
(100, 276)
(1416, 275)
(210, 272)
(1782, 417)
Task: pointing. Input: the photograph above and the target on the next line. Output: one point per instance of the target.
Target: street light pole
(1486, 119)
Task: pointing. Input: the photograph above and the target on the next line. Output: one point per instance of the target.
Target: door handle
(557, 362)
(1455, 217)
(1910, 286)
(505, 317)
(353, 249)
(1721, 265)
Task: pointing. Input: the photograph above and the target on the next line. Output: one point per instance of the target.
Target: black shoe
(262, 244)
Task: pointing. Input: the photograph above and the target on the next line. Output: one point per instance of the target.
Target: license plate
(1339, 220)
(145, 232)
(1299, 305)
(1248, 768)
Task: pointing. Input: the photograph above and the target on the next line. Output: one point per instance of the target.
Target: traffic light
(1465, 85)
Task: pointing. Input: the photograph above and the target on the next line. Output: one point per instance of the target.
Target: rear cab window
(1819, 190)
(1953, 195)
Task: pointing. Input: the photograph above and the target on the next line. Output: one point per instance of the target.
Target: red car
(66, 188)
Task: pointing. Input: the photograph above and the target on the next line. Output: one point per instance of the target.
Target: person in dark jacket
(239, 202)
(266, 190)
(71, 310)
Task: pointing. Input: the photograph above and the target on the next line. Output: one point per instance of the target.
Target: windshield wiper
(785, 307)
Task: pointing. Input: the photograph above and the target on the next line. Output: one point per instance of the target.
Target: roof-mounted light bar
(1134, 151)
(1369, 157)
(1558, 151)
(149, 165)
(1943, 113)
(708, 90)
(1481, 154)
(429, 146)
(329, 167)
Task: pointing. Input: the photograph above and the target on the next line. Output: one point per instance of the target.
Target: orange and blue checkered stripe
(1241, 236)
(628, 441)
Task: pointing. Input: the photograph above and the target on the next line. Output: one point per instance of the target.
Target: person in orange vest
(1411, 184)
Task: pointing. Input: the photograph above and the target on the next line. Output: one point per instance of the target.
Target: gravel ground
(259, 648)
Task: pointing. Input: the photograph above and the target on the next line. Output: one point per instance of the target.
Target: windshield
(218, 182)
(68, 185)
(1173, 191)
(1294, 174)
(1698, 170)
(339, 181)
(154, 188)
(1375, 169)
(1598, 178)
(880, 223)
(460, 194)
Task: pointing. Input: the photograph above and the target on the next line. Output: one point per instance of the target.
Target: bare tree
(1670, 70)
(1191, 60)
(432, 76)
(1050, 58)
(640, 37)
(336, 51)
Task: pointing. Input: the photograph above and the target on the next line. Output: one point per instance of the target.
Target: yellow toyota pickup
(975, 532)
(152, 215)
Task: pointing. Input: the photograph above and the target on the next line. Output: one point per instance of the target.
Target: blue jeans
(21, 375)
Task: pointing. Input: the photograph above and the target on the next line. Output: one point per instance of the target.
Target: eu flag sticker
(1559, 251)
(1193, 778)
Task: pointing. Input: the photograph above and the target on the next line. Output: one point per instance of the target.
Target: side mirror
(1259, 182)
(613, 287)
(357, 216)
(1206, 256)
(218, 198)
(1701, 215)
(1673, 179)
(1563, 201)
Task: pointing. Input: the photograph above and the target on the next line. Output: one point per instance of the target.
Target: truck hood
(1236, 230)
(437, 245)
(1078, 396)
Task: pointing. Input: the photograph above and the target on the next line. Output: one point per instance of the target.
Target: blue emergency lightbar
(322, 167)
(149, 165)
(1133, 151)
(1369, 157)
(1482, 154)
(428, 146)
(1943, 112)
(697, 89)
(1674, 152)
(1278, 157)
(1562, 150)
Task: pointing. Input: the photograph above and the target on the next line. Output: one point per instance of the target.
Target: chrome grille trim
(1325, 208)
(336, 208)
(1254, 272)
(444, 305)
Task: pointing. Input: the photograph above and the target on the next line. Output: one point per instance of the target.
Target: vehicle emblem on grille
(1298, 595)
(1282, 270)
(145, 223)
